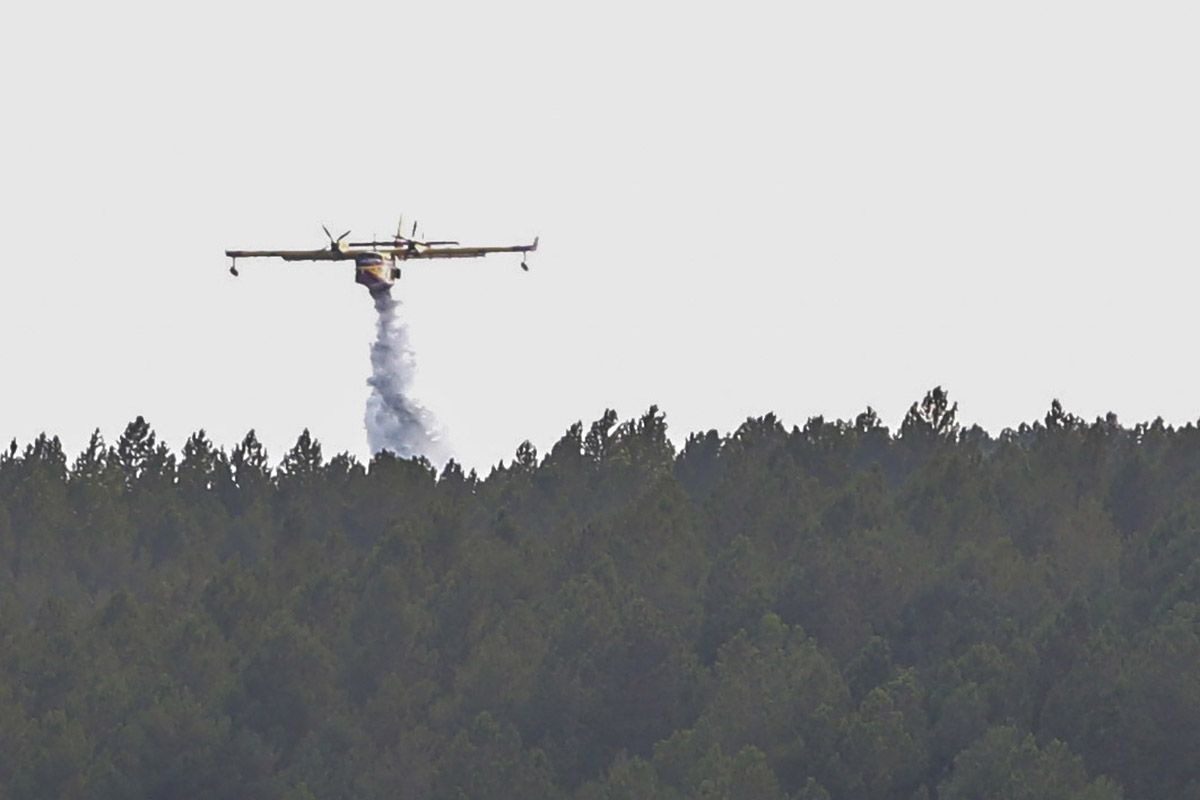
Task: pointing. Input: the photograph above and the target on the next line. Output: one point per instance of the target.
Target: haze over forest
(835, 610)
(802, 208)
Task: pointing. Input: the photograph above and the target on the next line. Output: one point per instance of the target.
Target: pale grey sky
(744, 207)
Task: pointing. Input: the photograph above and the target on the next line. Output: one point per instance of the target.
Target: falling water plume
(395, 420)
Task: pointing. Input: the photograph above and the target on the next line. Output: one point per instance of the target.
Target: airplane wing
(462, 252)
(324, 254)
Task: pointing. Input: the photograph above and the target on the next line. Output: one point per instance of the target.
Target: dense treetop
(831, 611)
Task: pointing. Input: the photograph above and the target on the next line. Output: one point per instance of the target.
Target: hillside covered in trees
(830, 611)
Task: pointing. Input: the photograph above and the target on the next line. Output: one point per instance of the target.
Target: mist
(395, 420)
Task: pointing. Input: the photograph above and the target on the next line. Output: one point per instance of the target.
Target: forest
(835, 610)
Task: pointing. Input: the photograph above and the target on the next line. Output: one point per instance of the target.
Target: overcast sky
(804, 208)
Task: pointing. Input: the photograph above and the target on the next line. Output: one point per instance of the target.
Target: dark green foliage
(824, 612)
(1006, 764)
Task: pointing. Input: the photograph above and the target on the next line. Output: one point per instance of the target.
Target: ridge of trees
(828, 611)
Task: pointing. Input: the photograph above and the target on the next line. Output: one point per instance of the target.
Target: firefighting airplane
(375, 261)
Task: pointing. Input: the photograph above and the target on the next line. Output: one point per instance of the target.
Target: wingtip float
(376, 262)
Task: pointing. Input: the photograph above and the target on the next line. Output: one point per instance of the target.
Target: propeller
(332, 241)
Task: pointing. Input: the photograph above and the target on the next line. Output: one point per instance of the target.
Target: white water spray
(396, 421)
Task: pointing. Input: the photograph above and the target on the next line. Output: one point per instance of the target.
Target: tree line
(834, 610)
